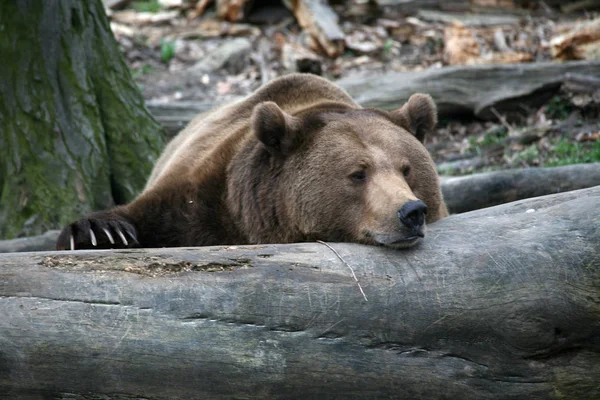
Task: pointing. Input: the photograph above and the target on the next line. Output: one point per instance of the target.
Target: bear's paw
(101, 230)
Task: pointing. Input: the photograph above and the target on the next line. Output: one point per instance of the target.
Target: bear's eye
(359, 176)
(406, 171)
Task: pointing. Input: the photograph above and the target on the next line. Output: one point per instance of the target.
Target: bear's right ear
(418, 115)
(276, 129)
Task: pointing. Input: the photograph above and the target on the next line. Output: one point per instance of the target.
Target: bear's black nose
(412, 215)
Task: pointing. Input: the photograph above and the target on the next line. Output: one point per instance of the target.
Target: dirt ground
(175, 57)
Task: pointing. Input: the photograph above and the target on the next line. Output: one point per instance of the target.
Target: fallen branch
(477, 191)
(498, 303)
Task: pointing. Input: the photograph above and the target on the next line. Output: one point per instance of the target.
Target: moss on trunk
(74, 132)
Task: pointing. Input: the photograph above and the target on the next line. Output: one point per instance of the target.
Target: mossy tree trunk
(74, 132)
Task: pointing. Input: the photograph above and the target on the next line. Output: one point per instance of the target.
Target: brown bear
(298, 160)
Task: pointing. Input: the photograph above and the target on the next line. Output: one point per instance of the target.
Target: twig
(502, 120)
(347, 265)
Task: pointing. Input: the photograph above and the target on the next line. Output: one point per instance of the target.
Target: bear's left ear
(418, 115)
(276, 129)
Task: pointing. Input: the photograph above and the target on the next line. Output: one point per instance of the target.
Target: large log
(457, 90)
(472, 192)
(469, 89)
(502, 303)
(45, 241)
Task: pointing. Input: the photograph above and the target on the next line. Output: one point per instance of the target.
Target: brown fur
(283, 165)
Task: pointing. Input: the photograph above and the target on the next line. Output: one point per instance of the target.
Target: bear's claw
(109, 236)
(122, 237)
(86, 233)
(93, 237)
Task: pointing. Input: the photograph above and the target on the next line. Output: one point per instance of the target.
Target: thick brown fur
(298, 160)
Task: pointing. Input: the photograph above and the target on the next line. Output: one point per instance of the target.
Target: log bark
(469, 89)
(74, 132)
(460, 90)
(495, 304)
(44, 242)
(467, 193)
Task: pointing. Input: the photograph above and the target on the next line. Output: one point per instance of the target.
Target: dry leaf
(460, 44)
(580, 43)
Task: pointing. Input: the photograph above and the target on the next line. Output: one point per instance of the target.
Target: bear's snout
(412, 216)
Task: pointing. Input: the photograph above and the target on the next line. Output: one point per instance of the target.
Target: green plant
(387, 46)
(167, 50)
(530, 155)
(559, 108)
(566, 152)
(152, 6)
(145, 69)
(492, 136)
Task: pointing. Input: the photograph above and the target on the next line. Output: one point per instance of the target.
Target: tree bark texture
(74, 131)
(501, 303)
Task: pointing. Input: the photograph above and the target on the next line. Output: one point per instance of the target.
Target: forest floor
(175, 57)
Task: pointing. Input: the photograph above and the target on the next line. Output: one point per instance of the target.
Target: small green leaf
(167, 50)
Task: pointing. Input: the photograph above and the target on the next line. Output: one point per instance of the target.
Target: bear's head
(337, 174)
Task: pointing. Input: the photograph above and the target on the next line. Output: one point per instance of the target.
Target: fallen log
(495, 304)
(469, 89)
(457, 90)
(46, 241)
(174, 116)
(467, 193)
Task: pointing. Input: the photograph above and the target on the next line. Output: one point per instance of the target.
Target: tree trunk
(501, 303)
(74, 131)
